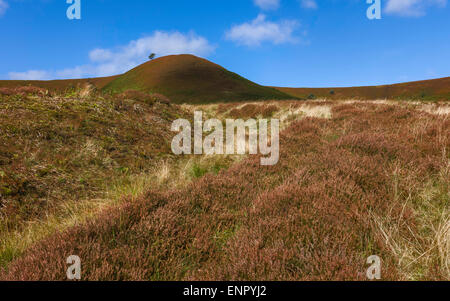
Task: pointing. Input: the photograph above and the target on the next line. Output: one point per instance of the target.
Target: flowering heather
(57, 151)
(371, 179)
(24, 90)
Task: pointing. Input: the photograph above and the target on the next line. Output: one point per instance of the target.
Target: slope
(435, 89)
(189, 79)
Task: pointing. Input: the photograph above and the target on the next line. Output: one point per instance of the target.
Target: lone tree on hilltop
(152, 56)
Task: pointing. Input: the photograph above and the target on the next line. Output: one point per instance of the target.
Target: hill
(435, 89)
(70, 152)
(58, 85)
(189, 79)
(368, 179)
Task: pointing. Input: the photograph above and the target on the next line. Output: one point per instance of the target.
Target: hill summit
(190, 79)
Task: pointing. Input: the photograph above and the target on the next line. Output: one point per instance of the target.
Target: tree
(152, 56)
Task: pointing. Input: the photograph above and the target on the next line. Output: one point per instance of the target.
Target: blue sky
(298, 43)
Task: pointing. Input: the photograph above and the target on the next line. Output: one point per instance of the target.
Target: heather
(353, 180)
(67, 152)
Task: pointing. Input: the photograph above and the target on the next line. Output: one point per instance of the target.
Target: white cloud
(309, 4)
(100, 55)
(30, 75)
(260, 30)
(267, 4)
(3, 7)
(411, 8)
(106, 62)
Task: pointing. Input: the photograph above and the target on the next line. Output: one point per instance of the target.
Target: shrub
(30, 90)
(197, 171)
(224, 107)
(6, 91)
(136, 95)
(269, 110)
(25, 90)
(235, 113)
(160, 98)
(253, 111)
(316, 215)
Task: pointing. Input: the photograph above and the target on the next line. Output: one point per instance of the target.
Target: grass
(354, 180)
(65, 206)
(61, 156)
(59, 86)
(427, 91)
(182, 79)
(166, 174)
(428, 246)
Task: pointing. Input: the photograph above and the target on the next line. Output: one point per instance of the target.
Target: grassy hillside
(431, 90)
(58, 85)
(353, 180)
(189, 79)
(57, 151)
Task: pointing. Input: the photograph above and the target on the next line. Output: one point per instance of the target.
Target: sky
(291, 43)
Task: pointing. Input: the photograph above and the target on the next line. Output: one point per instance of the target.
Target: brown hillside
(58, 85)
(370, 179)
(435, 89)
(57, 151)
(190, 79)
(186, 78)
